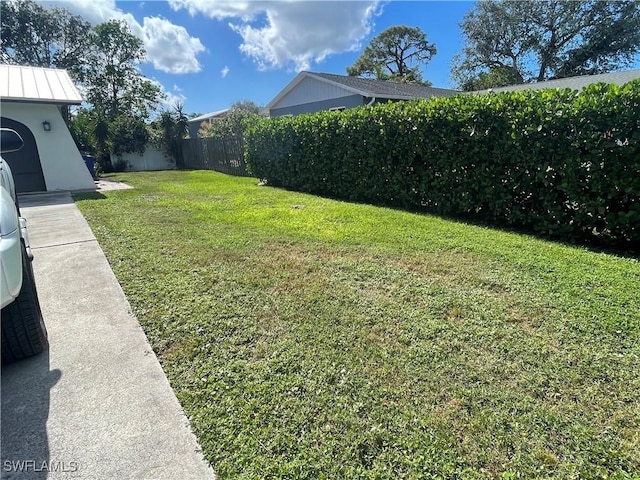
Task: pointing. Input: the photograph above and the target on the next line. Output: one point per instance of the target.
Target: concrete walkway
(97, 405)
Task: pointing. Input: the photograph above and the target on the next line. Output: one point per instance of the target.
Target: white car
(23, 330)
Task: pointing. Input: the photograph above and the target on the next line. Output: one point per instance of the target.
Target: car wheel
(23, 330)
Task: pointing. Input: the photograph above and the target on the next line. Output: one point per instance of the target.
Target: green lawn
(311, 338)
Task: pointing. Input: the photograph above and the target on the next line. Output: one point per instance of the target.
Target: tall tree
(32, 35)
(233, 123)
(495, 77)
(115, 84)
(396, 54)
(169, 130)
(514, 41)
(247, 106)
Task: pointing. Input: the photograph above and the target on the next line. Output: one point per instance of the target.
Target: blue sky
(210, 53)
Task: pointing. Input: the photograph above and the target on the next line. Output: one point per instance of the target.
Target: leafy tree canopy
(493, 78)
(32, 35)
(104, 60)
(247, 106)
(115, 84)
(129, 134)
(94, 134)
(510, 41)
(168, 131)
(233, 123)
(396, 54)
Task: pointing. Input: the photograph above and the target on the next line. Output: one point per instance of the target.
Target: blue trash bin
(90, 162)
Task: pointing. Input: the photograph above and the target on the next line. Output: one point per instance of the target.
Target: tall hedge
(559, 162)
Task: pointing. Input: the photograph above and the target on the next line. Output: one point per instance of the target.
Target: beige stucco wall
(62, 165)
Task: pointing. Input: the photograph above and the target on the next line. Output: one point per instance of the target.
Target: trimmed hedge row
(559, 162)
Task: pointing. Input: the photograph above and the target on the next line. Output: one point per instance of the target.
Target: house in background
(32, 102)
(311, 92)
(574, 83)
(196, 122)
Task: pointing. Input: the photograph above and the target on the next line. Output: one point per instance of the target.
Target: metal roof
(367, 87)
(386, 89)
(36, 84)
(575, 83)
(209, 116)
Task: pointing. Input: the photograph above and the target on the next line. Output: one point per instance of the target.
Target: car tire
(23, 331)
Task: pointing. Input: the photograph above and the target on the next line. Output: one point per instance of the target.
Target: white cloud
(93, 11)
(221, 9)
(171, 98)
(225, 71)
(278, 34)
(169, 47)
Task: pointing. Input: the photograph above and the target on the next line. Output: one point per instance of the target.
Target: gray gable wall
(311, 90)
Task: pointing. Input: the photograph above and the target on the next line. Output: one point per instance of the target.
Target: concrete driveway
(97, 405)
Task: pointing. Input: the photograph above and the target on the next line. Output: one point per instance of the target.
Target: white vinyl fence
(152, 159)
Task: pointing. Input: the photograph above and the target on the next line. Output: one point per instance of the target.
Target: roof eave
(41, 100)
(291, 85)
(208, 116)
(398, 97)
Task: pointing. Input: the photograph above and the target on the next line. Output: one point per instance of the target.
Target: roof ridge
(381, 81)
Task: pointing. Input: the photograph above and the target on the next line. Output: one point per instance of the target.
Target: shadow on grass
(594, 244)
(88, 196)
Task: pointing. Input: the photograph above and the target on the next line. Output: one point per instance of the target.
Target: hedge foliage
(558, 162)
